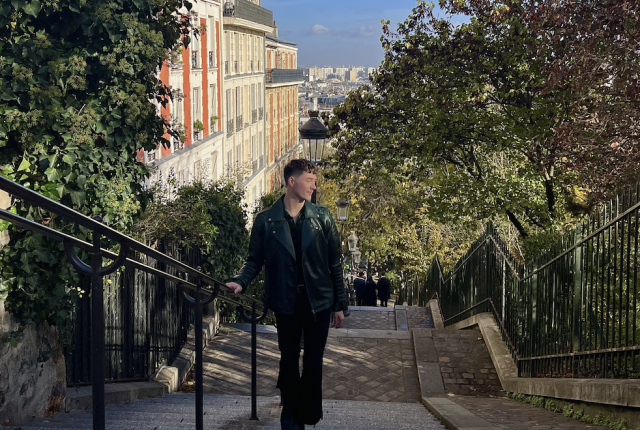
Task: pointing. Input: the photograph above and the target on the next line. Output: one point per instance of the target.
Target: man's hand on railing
(235, 287)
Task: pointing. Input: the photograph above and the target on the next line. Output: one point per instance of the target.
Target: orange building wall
(186, 88)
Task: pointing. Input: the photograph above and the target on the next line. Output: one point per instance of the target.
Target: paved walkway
(363, 369)
(369, 361)
(379, 319)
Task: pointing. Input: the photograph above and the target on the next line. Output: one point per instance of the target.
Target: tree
(596, 61)
(461, 109)
(78, 97)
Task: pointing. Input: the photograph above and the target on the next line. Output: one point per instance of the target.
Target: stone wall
(28, 387)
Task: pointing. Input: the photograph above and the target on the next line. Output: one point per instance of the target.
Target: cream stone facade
(283, 78)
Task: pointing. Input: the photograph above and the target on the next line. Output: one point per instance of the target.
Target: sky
(337, 32)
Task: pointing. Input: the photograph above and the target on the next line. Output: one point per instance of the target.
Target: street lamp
(353, 242)
(343, 209)
(355, 256)
(313, 135)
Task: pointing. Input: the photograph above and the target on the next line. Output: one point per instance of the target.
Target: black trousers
(360, 299)
(302, 394)
(383, 303)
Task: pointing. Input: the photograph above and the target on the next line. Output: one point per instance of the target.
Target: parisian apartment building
(235, 101)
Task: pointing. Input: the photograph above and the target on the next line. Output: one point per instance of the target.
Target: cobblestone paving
(354, 368)
(513, 415)
(465, 363)
(370, 320)
(419, 317)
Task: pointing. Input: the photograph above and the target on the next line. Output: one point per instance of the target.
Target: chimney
(275, 30)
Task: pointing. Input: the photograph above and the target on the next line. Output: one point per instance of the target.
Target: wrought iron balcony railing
(226, 67)
(235, 66)
(261, 161)
(260, 114)
(230, 127)
(254, 116)
(281, 76)
(244, 9)
(239, 123)
(212, 59)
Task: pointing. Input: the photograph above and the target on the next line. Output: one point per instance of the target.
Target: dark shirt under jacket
(295, 227)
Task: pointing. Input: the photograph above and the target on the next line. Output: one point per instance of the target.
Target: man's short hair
(361, 274)
(297, 167)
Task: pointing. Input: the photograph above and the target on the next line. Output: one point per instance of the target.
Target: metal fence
(570, 312)
(146, 321)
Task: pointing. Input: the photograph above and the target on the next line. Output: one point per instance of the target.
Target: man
(384, 290)
(299, 245)
(358, 285)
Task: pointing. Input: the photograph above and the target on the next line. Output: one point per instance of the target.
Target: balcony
(212, 59)
(260, 114)
(248, 11)
(261, 162)
(226, 67)
(254, 116)
(254, 166)
(235, 66)
(239, 123)
(230, 128)
(284, 76)
(251, 66)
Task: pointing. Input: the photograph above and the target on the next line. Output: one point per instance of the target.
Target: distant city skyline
(334, 33)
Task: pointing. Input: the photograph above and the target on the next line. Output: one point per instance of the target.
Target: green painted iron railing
(572, 311)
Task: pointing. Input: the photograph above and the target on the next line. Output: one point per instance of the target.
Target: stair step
(177, 412)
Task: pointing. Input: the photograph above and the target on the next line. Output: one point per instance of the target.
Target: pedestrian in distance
(358, 285)
(298, 244)
(384, 290)
(370, 292)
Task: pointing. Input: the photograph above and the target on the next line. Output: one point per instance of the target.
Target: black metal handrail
(204, 287)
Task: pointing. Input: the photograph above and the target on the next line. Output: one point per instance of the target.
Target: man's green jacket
(271, 246)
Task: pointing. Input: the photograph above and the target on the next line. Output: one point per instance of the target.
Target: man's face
(303, 186)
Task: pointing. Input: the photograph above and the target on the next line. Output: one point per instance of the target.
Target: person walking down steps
(358, 285)
(370, 292)
(298, 244)
(384, 290)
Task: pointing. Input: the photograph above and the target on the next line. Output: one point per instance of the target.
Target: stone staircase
(176, 411)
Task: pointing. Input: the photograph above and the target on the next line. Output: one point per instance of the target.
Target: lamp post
(313, 135)
(343, 215)
(353, 242)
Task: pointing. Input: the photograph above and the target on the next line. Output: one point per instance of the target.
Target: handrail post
(254, 363)
(577, 295)
(199, 370)
(97, 335)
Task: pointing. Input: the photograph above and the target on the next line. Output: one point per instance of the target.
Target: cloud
(318, 29)
(369, 31)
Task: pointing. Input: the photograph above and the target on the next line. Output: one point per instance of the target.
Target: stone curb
(166, 380)
(454, 416)
(174, 376)
(370, 309)
(436, 314)
(612, 392)
(81, 398)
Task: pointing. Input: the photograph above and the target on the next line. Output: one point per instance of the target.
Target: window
(254, 148)
(212, 43)
(197, 170)
(213, 107)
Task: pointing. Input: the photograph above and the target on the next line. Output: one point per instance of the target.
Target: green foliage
(460, 110)
(198, 125)
(569, 411)
(76, 80)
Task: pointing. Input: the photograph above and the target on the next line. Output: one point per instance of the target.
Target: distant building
(282, 80)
